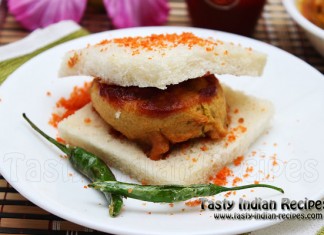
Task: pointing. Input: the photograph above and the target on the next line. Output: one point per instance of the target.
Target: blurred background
(269, 23)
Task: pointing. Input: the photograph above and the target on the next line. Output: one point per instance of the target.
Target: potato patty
(156, 118)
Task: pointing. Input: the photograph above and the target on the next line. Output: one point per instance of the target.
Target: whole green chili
(168, 193)
(89, 165)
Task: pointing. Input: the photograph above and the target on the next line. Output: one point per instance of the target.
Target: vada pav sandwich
(180, 125)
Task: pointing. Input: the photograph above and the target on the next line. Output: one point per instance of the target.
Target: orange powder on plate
(193, 203)
(228, 194)
(236, 180)
(79, 97)
(249, 169)
(237, 161)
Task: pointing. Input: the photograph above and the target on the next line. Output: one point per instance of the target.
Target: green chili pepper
(168, 193)
(89, 165)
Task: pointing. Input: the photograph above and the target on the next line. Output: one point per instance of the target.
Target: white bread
(143, 62)
(190, 165)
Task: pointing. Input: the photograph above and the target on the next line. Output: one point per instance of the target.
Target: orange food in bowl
(313, 10)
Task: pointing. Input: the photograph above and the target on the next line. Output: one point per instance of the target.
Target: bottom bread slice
(190, 163)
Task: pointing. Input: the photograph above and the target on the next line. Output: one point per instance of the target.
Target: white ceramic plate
(35, 169)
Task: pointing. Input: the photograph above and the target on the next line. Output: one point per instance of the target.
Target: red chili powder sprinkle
(171, 204)
(236, 180)
(256, 182)
(48, 93)
(249, 169)
(87, 120)
(236, 110)
(135, 52)
(246, 175)
(208, 49)
(60, 140)
(149, 212)
(274, 162)
(160, 41)
(79, 97)
(85, 186)
(204, 148)
(221, 176)
(193, 203)
(103, 42)
(237, 161)
(228, 194)
(232, 133)
(73, 60)
(242, 128)
(241, 120)
(231, 137)
(194, 160)
(130, 190)
(70, 174)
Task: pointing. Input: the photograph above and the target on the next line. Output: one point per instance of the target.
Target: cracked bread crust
(157, 119)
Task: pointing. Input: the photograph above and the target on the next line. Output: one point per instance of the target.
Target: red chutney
(236, 16)
(160, 103)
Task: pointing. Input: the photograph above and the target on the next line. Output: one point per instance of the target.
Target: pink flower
(131, 13)
(34, 14)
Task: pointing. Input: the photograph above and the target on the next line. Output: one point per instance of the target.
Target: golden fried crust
(157, 118)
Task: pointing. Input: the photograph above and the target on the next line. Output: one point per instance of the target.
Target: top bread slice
(190, 163)
(161, 60)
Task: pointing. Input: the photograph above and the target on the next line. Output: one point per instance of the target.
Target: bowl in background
(314, 33)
